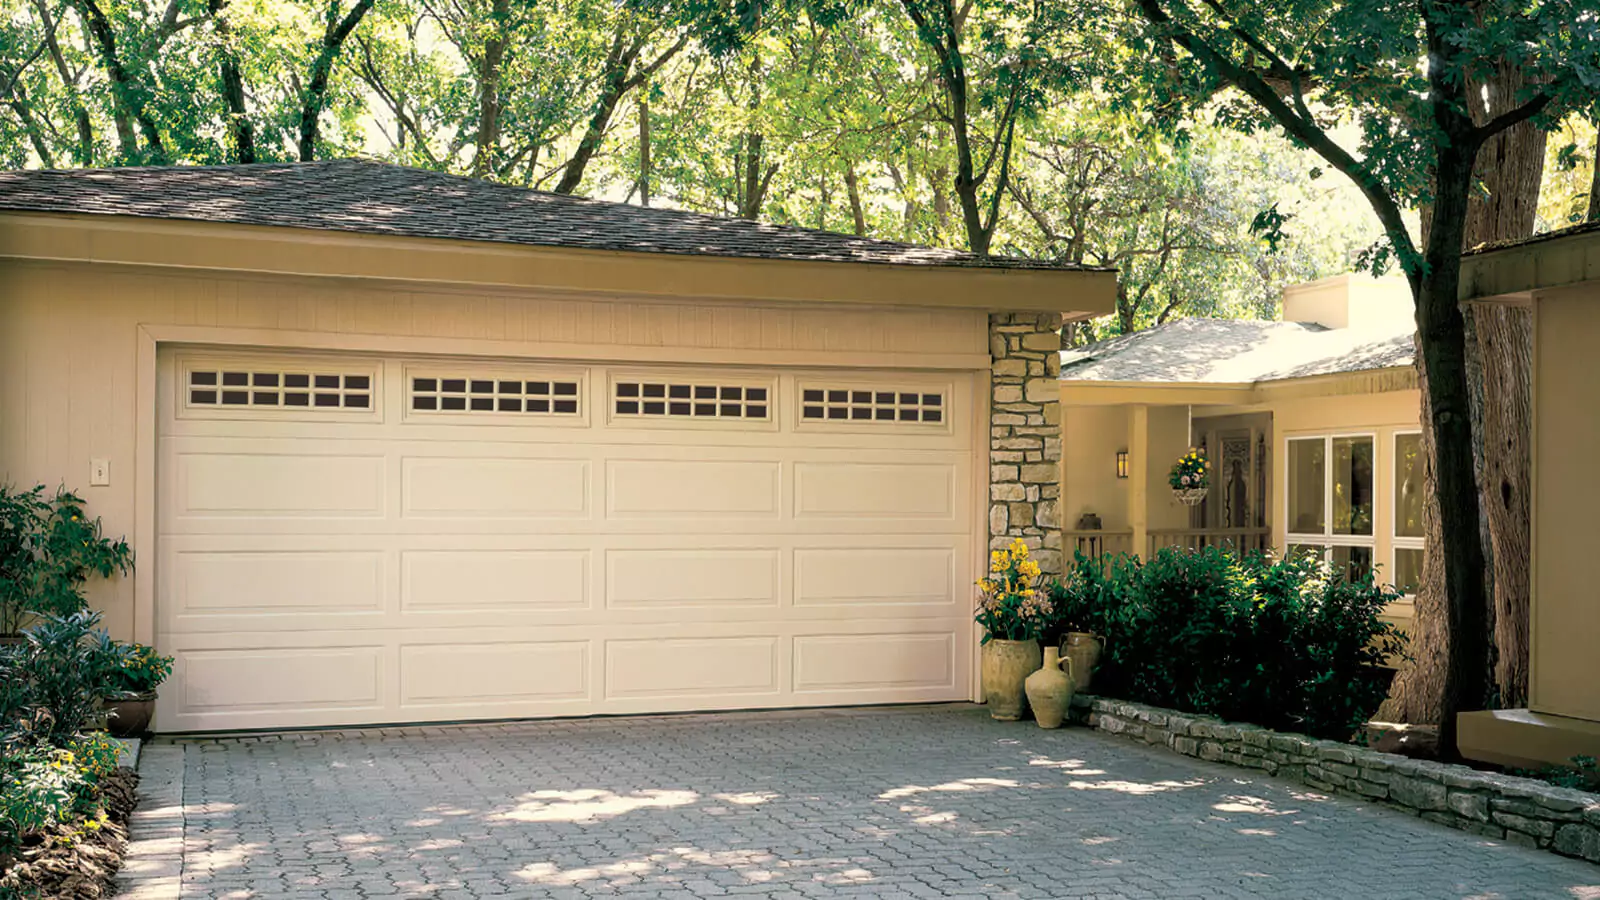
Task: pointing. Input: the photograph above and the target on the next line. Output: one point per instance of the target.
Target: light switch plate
(99, 472)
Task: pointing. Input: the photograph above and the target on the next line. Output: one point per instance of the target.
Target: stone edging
(153, 869)
(1516, 810)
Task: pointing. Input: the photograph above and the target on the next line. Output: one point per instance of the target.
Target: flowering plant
(1013, 607)
(1191, 472)
(140, 669)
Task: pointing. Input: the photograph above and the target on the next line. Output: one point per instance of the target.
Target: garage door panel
(275, 583)
(692, 489)
(494, 581)
(284, 680)
(268, 485)
(690, 669)
(874, 663)
(697, 577)
(478, 487)
(494, 674)
(878, 490)
(873, 576)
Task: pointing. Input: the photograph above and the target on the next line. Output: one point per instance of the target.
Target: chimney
(1354, 300)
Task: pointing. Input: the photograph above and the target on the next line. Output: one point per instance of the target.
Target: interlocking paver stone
(896, 804)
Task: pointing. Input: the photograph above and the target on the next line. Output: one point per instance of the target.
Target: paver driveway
(901, 803)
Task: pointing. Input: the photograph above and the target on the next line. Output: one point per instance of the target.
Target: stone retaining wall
(1517, 810)
(1025, 434)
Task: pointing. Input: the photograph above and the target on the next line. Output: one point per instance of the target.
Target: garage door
(352, 539)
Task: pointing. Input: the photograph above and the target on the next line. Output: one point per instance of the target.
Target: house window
(1330, 500)
(277, 388)
(482, 394)
(1406, 570)
(688, 400)
(866, 405)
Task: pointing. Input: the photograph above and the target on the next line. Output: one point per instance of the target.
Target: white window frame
(743, 378)
(184, 363)
(1396, 541)
(875, 383)
(1327, 540)
(492, 372)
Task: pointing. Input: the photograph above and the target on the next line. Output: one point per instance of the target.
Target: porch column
(1139, 478)
(1025, 434)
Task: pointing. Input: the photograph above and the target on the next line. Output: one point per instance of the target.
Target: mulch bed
(77, 862)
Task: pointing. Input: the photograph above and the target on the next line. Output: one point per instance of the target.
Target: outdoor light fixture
(1122, 464)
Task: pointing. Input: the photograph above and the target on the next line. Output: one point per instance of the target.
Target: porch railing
(1234, 540)
(1097, 544)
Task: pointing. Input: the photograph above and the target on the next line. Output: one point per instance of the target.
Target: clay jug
(1050, 689)
(1083, 648)
(1006, 666)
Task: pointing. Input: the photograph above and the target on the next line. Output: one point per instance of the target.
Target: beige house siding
(77, 344)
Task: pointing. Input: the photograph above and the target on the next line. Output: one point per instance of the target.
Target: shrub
(140, 669)
(1013, 606)
(51, 685)
(1284, 643)
(44, 786)
(48, 549)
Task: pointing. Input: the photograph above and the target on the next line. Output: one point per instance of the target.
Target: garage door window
(871, 405)
(277, 388)
(684, 400)
(467, 394)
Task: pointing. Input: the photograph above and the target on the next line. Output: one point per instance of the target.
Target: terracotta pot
(1050, 690)
(1083, 648)
(128, 715)
(1006, 667)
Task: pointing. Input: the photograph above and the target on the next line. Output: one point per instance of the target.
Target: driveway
(923, 802)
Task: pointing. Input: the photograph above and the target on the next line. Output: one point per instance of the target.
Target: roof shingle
(370, 197)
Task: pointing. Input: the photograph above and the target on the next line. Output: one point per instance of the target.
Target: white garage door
(352, 539)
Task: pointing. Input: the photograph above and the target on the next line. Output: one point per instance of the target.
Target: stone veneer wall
(1516, 810)
(1025, 434)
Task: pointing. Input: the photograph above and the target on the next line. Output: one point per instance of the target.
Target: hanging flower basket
(1190, 477)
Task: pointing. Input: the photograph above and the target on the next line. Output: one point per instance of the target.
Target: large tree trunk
(858, 217)
(1594, 181)
(316, 91)
(240, 129)
(487, 140)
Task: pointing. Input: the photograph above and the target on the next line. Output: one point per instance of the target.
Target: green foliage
(1583, 774)
(1014, 607)
(1191, 472)
(51, 684)
(1282, 643)
(45, 786)
(48, 550)
(140, 670)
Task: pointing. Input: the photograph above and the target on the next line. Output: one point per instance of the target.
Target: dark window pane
(453, 385)
(705, 409)
(357, 382)
(932, 415)
(811, 412)
(627, 407)
(705, 392)
(510, 404)
(298, 399)
(327, 381)
(838, 396)
(655, 390)
(301, 380)
(932, 399)
(482, 387)
(510, 387)
(421, 384)
(202, 378)
(678, 391)
(483, 404)
(813, 396)
(860, 412)
(755, 411)
(265, 398)
(236, 398)
(543, 387)
(540, 406)
(731, 410)
(203, 397)
(908, 399)
(421, 402)
(732, 393)
(860, 396)
(908, 415)
(885, 396)
(567, 406)
(836, 412)
(755, 395)
(885, 414)
(265, 379)
(655, 408)
(355, 401)
(567, 388)
(327, 400)
(235, 379)
(679, 409)
(453, 403)
(627, 389)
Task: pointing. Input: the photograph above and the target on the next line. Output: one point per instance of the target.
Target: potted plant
(48, 549)
(130, 697)
(1013, 611)
(1077, 619)
(1190, 477)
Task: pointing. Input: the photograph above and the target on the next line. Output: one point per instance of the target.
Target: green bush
(48, 549)
(45, 786)
(1283, 643)
(141, 669)
(51, 684)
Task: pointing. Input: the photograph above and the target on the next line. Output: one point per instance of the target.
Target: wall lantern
(1122, 464)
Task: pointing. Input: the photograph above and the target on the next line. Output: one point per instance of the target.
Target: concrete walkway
(926, 802)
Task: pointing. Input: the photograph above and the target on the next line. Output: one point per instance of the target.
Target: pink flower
(1185, 479)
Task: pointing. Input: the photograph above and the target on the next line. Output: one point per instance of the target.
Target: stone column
(1025, 434)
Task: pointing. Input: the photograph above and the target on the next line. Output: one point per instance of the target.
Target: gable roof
(369, 197)
(1234, 351)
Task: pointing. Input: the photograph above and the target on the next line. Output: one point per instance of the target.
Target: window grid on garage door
(688, 399)
(484, 394)
(871, 405)
(257, 387)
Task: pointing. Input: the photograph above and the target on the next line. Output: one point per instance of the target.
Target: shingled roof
(1231, 351)
(368, 197)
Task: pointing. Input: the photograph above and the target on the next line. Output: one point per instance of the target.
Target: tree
(1403, 74)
